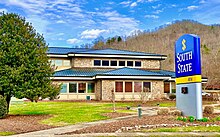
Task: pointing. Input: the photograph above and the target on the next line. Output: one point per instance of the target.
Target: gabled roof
(133, 73)
(65, 52)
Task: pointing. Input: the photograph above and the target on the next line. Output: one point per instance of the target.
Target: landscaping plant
(3, 107)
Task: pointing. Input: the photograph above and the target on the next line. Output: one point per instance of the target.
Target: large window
(146, 87)
(72, 87)
(118, 86)
(121, 63)
(137, 86)
(63, 88)
(91, 88)
(81, 87)
(128, 86)
(105, 62)
(97, 62)
(66, 62)
(58, 63)
(130, 63)
(114, 63)
(137, 63)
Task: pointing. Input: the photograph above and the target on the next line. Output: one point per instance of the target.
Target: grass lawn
(66, 113)
(6, 133)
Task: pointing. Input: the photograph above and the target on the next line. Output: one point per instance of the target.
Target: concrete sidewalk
(149, 111)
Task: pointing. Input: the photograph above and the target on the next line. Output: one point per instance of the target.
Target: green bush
(3, 107)
(205, 119)
(191, 119)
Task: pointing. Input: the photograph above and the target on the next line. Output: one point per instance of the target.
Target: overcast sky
(73, 22)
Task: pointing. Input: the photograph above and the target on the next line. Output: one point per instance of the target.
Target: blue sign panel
(187, 56)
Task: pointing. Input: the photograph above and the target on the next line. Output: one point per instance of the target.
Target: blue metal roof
(117, 52)
(106, 72)
(132, 72)
(61, 50)
(79, 72)
(166, 72)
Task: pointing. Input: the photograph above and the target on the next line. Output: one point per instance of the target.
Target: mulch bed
(145, 120)
(23, 123)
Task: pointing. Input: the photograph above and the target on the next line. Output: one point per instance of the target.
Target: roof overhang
(57, 55)
(133, 77)
(72, 78)
(117, 56)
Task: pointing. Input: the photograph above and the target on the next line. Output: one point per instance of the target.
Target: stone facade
(98, 89)
(151, 64)
(109, 85)
(88, 62)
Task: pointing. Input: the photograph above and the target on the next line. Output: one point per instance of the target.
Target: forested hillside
(163, 40)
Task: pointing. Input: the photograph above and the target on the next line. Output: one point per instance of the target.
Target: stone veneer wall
(157, 89)
(151, 64)
(107, 87)
(82, 62)
(88, 62)
(98, 90)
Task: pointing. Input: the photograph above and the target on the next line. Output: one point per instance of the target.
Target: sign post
(188, 75)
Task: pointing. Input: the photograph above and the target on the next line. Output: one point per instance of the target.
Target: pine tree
(24, 68)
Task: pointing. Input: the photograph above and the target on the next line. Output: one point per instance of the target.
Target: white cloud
(134, 4)
(157, 6)
(73, 41)
(152, 16)
(60, 34)
(61, 22)
(125, 3)
(202, 2)
(92, 34)
(157, 11)
(190, 8)
(3, 10)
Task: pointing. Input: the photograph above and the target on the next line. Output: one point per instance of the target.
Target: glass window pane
(66, 63)
(137, 86)
(97, 62)
(91, 88)
(146, 87)
(105, 63)
(121, 63)
(137, 63)
(81, 87)
(130, 63)
(58, 62)
(72, 87)
(63, 88)
(118, 86)
(114, 63)
(128, 86)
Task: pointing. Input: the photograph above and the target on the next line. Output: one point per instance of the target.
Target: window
(97, 62)
(118, 86)
(105, 62)
(114, 63)
(63, 88)
(66, 63)
(128, 86)
(137, 86)
(147, 87)
(58, 63)
(81, 87)
(72, 87)
(130, 63)
(137, 63)
(91, 88)
(121, 63)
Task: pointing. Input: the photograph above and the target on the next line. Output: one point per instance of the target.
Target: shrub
(172, 96)
(163, 111)
(3, 107)
(209, 109)
(179, 118)
(191, 119)
(184, 119)
(176, 113)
